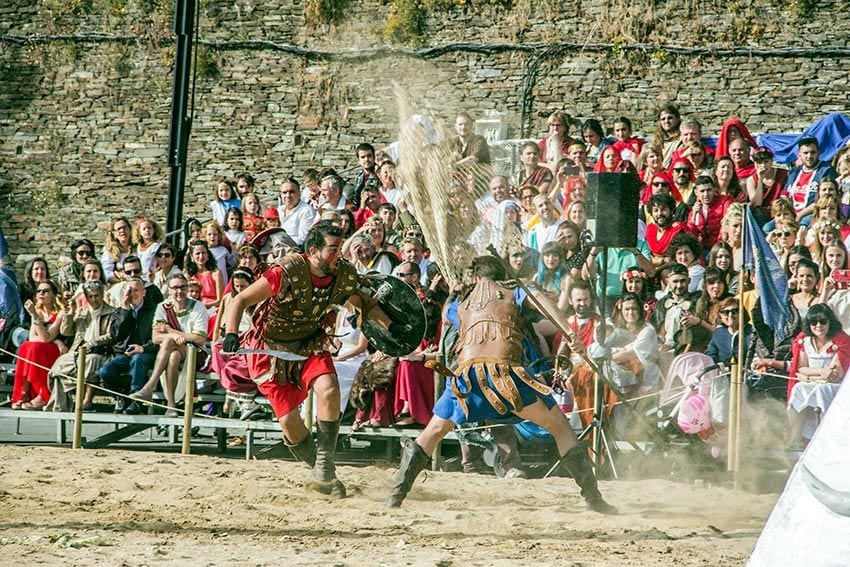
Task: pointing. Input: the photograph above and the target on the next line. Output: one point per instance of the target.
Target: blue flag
(771, 283)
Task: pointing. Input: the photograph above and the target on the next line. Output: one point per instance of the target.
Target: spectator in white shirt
(296, 216)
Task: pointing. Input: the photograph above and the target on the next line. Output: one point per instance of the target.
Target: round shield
(403, 307)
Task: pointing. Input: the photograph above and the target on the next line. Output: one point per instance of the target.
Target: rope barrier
(118, 394)
(677, 390)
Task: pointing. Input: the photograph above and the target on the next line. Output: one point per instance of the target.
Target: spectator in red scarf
(682, 172)
(627, 146)
(608, 160)
(662, 228)
(732, 129)
(769, 180)
(708, 211)
(662, 184)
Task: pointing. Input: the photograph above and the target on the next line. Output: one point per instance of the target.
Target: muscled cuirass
(490, 324)
(297, 312)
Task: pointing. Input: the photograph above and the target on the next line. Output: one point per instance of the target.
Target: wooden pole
(437, 457)
(737, 376)
(189, 397)
(78, 400)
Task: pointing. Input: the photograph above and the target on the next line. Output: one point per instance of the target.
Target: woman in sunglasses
(71, 275)
(784, 237)
(166, 266)
(724, 340)
(820, 358)
(40, 351)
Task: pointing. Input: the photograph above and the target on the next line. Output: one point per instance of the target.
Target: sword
(281, 354)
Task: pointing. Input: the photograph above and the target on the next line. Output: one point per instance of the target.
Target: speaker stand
(600, 439)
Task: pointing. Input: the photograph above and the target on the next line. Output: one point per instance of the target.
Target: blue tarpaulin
(832, 133)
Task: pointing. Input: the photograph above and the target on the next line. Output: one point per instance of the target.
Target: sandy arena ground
(111, 507)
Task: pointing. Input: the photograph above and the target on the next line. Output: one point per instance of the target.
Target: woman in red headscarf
(608, 160)
(732, 129)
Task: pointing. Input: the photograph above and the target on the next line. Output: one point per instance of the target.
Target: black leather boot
(324, 469)
(413, 460)
(578, 465)
(304, 450)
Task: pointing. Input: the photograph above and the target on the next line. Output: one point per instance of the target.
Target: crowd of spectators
(137, 301)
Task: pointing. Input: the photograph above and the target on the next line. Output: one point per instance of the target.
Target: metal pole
(189, 399)
(598, 383)
(181, 122)
(78, 400)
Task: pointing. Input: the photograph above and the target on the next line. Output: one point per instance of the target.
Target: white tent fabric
(810, 524)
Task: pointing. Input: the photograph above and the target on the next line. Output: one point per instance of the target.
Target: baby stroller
(701, 410)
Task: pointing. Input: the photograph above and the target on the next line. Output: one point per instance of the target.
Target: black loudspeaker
(612, 208)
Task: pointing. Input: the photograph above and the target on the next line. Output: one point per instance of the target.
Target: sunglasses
(163, 255)
(84, 253)
(133, 271)
(818, 321)
(784, 234)
(682, 169)
(730, 311)
(659, 184)
(43, 290)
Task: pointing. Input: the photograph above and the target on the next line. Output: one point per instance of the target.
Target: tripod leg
(606, 445)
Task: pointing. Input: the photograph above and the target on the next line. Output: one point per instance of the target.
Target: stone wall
(84, 125)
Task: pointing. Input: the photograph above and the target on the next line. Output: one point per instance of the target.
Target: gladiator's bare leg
(433, 433)
(553, 421)
(326, 388)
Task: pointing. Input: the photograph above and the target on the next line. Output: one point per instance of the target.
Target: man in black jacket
(135, 352)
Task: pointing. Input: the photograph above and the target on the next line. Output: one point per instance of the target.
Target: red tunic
(285, 397)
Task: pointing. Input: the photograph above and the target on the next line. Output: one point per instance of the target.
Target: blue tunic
(449, 407)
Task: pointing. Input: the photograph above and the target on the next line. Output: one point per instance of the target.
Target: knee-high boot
(413, 460)
(324, 469)
(578, 465)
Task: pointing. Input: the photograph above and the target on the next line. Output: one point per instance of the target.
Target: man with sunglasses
(133, 269)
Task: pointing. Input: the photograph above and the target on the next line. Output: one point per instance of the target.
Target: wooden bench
(128, 425)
